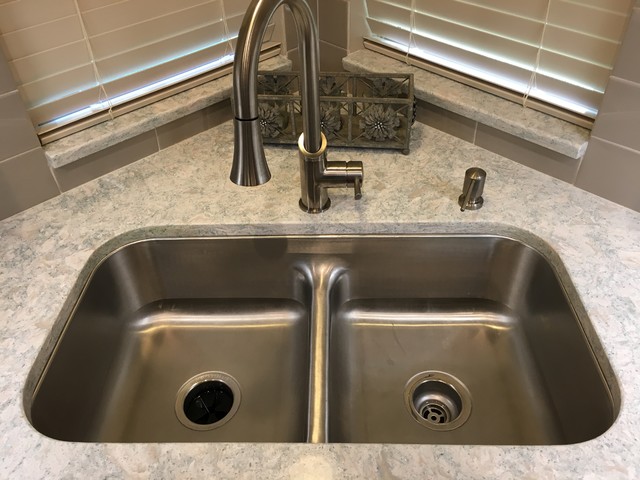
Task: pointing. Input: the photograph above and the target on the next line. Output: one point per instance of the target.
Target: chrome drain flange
(207, 400)
(438, 400)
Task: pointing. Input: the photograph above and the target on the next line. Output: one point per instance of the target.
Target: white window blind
(73, 58)
(557, 51)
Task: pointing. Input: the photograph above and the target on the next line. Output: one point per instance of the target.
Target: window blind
(558, 51)
(73, 58)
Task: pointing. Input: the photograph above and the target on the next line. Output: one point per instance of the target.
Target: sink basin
(457, 339)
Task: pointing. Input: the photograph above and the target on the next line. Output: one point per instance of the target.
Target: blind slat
(91, 4)
(476, 17)
(123, 14)
(58, 85)
(514, 51)
(147, 57)
(500, 41)
(39, 66)
(18, 14)
(207, 16)
(534, 9)
(589, 19)
(39, 38)
(579, 45)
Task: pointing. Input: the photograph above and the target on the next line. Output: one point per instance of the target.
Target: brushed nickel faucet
(250, 168)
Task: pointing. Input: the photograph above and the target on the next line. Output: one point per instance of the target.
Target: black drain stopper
(208, 402)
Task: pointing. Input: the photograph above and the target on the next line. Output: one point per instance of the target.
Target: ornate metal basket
(357, 110)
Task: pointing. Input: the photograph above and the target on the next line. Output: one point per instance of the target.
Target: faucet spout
(249, 163)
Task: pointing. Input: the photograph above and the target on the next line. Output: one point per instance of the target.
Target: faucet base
(306, 209)
(317, 174)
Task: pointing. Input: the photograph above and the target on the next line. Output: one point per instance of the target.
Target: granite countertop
(185, 188)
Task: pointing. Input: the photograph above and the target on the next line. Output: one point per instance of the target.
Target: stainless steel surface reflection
(322, 335)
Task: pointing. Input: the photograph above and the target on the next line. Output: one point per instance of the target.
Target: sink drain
(438, 400)
(436, 412)
(207, 401)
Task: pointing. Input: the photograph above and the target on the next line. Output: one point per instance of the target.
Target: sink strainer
(207, 401)
(438, 400)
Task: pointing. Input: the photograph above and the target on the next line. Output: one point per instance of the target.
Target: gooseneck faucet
(249, 163)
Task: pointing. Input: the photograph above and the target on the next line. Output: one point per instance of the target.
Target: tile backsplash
(25, 177)
(333, 26)
(611, 165)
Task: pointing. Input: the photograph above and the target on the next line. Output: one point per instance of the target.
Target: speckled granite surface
(506, 116)
(81, 144)
(185, 188)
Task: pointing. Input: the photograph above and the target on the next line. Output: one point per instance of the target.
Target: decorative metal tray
(357, 110)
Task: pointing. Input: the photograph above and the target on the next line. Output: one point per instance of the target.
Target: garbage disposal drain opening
(438, 400)
(207, 401)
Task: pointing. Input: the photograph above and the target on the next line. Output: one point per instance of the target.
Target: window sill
(564, 138)
(538, 128)
(100, 137)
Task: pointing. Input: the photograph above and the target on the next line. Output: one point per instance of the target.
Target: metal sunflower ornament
(378, 123)
(275, 84)
(272, 121)
(330, 120)
(330, 87)
(388, 87)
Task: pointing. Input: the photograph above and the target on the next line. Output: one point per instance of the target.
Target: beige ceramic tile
(294, 56)
(25, 181)
(14, 14)
(334, 22)
(16, 131)
(612, 172)
(331, 57)
(290, 34)
(7, 83)
(619, 118)
(627, 64)
(527, 153)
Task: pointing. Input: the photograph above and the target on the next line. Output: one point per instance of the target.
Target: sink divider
(321, 276)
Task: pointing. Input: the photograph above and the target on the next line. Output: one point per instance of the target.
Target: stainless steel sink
(456, 339)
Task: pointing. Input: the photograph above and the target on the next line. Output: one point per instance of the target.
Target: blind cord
(102, 95)
(229, 48)
(412, 26)
(533, 83)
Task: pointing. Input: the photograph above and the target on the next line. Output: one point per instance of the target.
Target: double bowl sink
(455, 339)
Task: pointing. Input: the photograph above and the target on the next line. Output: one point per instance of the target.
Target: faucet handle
(357, 188)
(355, 177)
